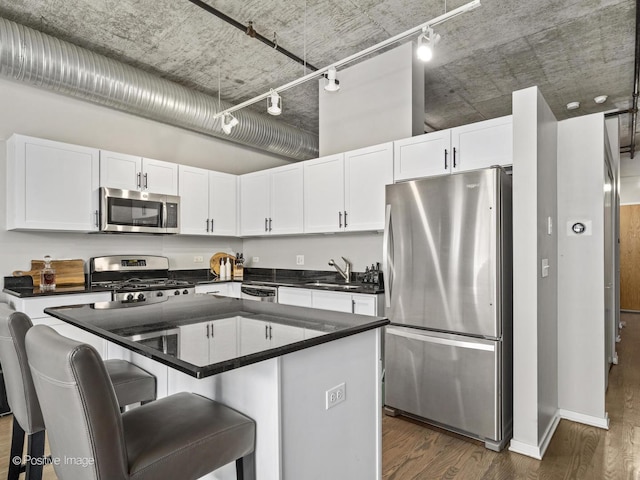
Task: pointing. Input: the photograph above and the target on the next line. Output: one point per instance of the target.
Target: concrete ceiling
(573, 50)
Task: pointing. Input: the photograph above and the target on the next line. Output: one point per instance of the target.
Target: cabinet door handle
(446, 164)
(212, 225)
(207, 222)
(146, 181)
(139, 179)
(345, 219)
(212, 335)
(270, 336)
(97, 219)
(454, 157)
(269, 224)
(353, 306)
(266, 332)
(339, 219)
(207, 330)
(266, 224)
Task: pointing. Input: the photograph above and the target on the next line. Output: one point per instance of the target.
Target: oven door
(137, 212)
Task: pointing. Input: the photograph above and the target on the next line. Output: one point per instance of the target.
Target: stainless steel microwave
(138, 212)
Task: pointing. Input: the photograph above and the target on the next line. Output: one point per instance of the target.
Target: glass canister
(47, 276)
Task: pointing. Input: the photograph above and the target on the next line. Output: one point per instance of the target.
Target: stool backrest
(79, 406)
(21, 394)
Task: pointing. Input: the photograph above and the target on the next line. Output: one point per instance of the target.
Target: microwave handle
(164, 215)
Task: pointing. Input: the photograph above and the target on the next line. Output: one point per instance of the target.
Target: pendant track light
(228, 122)
(274, 103)
(426, 43)
(333, 85)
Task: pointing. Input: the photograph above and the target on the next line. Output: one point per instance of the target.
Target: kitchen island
(311, 379)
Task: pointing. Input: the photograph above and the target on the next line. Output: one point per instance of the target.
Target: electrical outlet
(336, 395)
(255, 259)
(198, 259)
(299, 259)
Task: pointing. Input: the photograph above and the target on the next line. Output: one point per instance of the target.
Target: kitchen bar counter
(199, 316)
(298, 372)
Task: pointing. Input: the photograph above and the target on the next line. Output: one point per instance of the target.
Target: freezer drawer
(452, 380)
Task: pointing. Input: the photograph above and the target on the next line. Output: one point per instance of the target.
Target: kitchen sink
(332, 285)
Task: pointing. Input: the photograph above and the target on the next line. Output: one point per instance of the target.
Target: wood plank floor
(412, 451)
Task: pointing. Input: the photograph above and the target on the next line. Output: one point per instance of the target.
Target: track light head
(274, 103)
(426, 43)
(332, 85)
(228, 122)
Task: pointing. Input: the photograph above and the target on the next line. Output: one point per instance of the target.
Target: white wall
(44, 114)
(535, 393)
(581, 323)
(361, 249)
(380, 99)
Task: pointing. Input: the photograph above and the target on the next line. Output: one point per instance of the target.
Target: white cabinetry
(469, 147)
(34, 308)
(258, 335)
(129, 172)
(271, 201)
(208, 202)
(210, 342)
(345, 192)
(51, 185)
(228, 289)
(363, 304)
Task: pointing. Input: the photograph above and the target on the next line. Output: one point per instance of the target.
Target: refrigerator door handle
(442, 341)
(386, 243)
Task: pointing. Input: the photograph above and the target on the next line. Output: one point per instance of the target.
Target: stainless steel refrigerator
(448, 295)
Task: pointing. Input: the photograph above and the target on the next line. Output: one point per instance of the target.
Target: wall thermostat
(578, 228)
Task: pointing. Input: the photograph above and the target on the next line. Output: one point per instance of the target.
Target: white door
(194, 344)
(367, 172)
(365, 304)
(284, 334)
(299, 297)
(254, 336)
(159, 177)
(223, 344)
(254, 203)
(193, 188)
(324, 194)
(482, 144)
(119, 170)
(609, 272)
(422, 156)
(223, 203)
(340, 302)
(287, 199)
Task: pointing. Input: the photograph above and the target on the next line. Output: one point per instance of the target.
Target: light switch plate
(545, 267)
(299, 259)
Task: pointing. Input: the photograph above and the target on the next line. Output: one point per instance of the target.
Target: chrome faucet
(346, 273)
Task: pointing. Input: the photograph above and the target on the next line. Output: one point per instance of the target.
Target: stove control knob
(141, 296)
(185, 292)
(177, 292)
(130, 296)
(159, 294)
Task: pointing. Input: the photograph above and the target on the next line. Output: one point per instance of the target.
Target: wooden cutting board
(214, 261)
(68, 272)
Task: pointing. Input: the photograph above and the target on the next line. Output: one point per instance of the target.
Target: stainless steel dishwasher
(261, 293)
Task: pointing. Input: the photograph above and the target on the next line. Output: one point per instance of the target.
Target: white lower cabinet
(209, 342)
(34, 308)
(229, 289)
(362, 304)
(258, 335)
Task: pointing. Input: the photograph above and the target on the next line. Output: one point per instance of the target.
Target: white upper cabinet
(482, 144)
(324, 194)
(51, 185)
(469, 147)
(422, 156)
(129, 172)
(208, 202)
(271, 201)
(345, 192)
(366, 173)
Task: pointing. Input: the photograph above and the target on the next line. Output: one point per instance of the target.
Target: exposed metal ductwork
(32, 57)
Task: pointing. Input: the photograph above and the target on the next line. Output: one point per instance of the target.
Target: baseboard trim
(536, 451)
(586, 419)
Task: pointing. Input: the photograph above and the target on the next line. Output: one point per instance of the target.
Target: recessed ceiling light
(573, 105)
(600, 99)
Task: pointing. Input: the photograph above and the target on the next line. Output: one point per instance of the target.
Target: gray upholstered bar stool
(131, 383)
(183, 436)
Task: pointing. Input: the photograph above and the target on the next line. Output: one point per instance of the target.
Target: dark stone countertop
(192, 316)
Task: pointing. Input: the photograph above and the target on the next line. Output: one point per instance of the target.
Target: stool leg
(239, 470)
(17, 444)
(245, 467)
(35, 449)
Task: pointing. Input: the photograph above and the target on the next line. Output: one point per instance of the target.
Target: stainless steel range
(136, 278)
